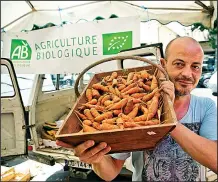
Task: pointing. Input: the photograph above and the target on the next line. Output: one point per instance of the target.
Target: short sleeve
(208, 127)
(120, 156)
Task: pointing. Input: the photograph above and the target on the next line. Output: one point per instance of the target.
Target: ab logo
(113, 43)
(20, 50)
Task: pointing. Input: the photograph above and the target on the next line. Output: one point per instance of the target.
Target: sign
(70, 48)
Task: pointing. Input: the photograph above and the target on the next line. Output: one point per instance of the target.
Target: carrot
(113, 76)
(87, 122)
(82, 116)
(89, 94)
(154, 83)
(145, 87)
(114, 83)
(129, 83)
(148, 83)
(94, 112)
(144, 109)
(108, 102)
(129, 77)
(138, 95)
(134, 90)
(117, 112)
(119, 104)
(95, 93)
(110, 121)
(88, 114)
(99, 108)
(152, 110)
(125, 117)
(135, 77)
(129, 107)
(141, 118)
(115, 98)
(98, 86)
(124, 81)
(117, 91)
(149, 122)
(96, 125)
(93, 101)
(106, 126)
(99, 100)
(128, 87)
(144, 74)
(105, 98)
(120, 121)
(111, 90)
(87, 128)
(150, 95)
(106, 115)
(121, 87)
(134, 112)
(130, 124)
(107, 78)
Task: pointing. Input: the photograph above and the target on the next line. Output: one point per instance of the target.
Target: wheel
(205, 82)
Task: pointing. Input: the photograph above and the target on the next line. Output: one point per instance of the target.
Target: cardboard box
(120, 140)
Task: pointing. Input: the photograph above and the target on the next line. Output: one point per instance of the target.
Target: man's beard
(183, 91)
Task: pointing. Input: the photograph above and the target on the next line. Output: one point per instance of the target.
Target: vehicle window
(7, 88)
(54, 82)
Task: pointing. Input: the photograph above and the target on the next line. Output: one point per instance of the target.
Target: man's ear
(163, 62)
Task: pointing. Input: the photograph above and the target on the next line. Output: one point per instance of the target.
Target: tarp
(42, 12)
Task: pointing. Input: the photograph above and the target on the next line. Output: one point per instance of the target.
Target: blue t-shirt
(168, 161)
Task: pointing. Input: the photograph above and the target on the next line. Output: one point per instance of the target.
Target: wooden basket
(120, 140)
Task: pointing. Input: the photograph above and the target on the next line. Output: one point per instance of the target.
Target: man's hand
(87, 152)
(168, 88)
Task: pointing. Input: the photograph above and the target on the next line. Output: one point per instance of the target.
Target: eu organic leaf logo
(113, 43)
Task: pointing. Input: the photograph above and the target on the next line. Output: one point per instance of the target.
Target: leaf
(117, 42)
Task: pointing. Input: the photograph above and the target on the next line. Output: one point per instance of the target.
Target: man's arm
(199, 148)
(108, 168)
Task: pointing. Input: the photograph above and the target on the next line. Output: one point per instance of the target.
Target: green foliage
(212, 32)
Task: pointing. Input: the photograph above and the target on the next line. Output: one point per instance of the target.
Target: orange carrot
(148, 83)
(129, 107)
(119, 104)
(89, 94)
(106, 97)
(93, 101)
(87, 122)
(142, 85)
(141, 118)
(117, 112)
(117, 91)
(121, 87)
(87, 128)
(120, 121)
(134, 90)
(154, 83)
(96, 125)
(106, 115)
(88, 114)
(115, 98)
(107, 78)
(138, 95)
(95, 93)
(134, 112)
(99, 100)
(130, 76)
(124, 81)
(125, 117)
(111, 89)
(94, 112)
(82, 116)
(106, 126)
(99, 108)
(113, 76)
(98, 86)
(152, 110)
(144, 74)
(108, 102)
(144, 109)
(114, 83)
(110, 121)
(130, 124)
(150, 95)
(129, 87)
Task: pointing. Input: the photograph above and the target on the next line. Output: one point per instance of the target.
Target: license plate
(79, 164)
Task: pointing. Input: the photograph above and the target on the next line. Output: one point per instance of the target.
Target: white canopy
(20, 15)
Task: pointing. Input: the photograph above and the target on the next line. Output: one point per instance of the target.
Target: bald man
(194, 140)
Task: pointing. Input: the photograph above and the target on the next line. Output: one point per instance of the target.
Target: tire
(205, 82)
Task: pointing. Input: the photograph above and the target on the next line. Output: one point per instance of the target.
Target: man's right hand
(87, 152)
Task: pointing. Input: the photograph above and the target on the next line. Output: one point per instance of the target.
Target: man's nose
(187, 72)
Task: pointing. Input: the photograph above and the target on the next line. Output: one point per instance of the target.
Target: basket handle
(116, 58)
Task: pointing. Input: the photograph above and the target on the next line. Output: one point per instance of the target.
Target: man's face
(184, 65)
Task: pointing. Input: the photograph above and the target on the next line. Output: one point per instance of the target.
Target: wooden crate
(120, 140)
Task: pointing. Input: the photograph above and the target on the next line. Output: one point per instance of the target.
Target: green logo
(20, 50)
(113, 43)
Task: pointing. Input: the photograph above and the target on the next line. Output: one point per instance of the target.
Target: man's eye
(196, 67)
(179, 64)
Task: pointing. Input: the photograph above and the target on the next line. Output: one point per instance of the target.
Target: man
(194, 140)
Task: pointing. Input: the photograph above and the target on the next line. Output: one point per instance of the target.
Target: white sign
(70, 48)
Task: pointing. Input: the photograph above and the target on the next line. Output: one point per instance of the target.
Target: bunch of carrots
(119, 101)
